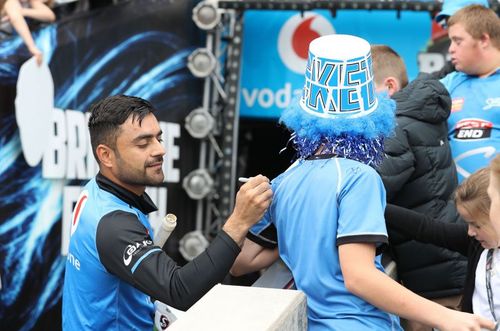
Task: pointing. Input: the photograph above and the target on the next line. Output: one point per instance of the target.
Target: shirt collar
(142, 202)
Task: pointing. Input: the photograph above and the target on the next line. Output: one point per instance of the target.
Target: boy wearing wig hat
(328, 207)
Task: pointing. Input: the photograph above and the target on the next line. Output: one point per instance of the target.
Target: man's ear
(392, 85)
(105, 155)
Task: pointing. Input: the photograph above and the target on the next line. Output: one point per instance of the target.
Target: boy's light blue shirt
(318, 205)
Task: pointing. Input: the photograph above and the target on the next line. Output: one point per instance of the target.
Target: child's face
(479, 227)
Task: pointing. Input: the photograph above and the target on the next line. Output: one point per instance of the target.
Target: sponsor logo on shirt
(80, 204)
(134, 249)
(457, 104)
(472, 129)
(492, 102)
(74, 261)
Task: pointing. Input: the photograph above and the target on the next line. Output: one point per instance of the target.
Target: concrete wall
(230, 308)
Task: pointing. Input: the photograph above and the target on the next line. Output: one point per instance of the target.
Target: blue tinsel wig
(360, 139)
(339, 109)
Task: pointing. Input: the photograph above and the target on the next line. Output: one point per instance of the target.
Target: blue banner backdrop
(273, 67)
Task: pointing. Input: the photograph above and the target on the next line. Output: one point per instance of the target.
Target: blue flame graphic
(31, 267)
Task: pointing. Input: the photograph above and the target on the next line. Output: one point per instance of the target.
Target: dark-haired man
(113, 270)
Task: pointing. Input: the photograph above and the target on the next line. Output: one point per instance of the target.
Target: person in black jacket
(473, 239)
(418, 173)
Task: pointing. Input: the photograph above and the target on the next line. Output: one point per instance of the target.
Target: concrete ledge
(230, 308)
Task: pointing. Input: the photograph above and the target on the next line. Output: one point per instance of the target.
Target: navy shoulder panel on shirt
(122, 243)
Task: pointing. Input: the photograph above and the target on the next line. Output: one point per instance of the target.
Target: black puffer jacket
(419, 174)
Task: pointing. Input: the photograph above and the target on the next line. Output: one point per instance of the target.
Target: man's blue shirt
(113, 267)
(94, 298)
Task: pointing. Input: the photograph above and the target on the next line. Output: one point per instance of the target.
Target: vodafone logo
(295, 36)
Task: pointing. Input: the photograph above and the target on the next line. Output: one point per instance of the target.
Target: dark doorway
(259, 145)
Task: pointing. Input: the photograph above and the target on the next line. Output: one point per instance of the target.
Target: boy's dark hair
(386, 63)
(108, 114)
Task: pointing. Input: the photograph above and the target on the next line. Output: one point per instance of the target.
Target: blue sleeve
(264, 232)
(259, 227)
(361, 207)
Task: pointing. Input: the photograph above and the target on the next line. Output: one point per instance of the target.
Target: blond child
(476, 239)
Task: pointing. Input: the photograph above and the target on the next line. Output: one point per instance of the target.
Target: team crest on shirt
(472, 129)
(457, 104)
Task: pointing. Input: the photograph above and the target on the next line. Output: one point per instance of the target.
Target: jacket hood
(424, 99)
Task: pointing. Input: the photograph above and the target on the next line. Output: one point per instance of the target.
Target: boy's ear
(392, 85)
